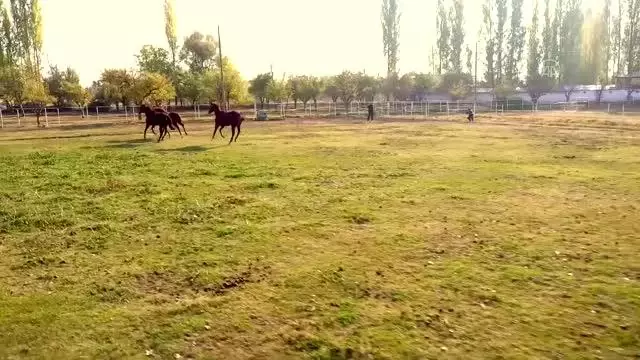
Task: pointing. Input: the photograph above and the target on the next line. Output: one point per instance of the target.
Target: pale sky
(297, 36)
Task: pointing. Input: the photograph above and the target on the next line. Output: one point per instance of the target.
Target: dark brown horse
(176, 119)
(155, 118)
(226, 118)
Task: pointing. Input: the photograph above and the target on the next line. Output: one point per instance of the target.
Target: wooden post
(1, 120)
(18, 113)
(46, 117)
(126, 115)
(97, 112)
(58, 114)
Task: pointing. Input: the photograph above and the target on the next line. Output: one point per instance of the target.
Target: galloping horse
(176, 119)
(226, 118)
(155, 118)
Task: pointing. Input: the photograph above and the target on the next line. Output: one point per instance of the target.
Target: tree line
(562, 46)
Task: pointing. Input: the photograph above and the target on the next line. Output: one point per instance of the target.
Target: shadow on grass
(188, 149)
(52, 137)
(127, 144)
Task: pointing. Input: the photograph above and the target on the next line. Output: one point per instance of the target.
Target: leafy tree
(347, 85)
(389, 86)
(456, 19)
(317, 86)
(117, 85)
(59, 81)
(35, 93)
(504, 89)
(423, 84)
(458, 85)
(153, 87)
(154, 59)
(368, 87)
(294, 90)
(331, 89)
(199, 52)
(279, 90)
(259, 88)
(75, 93)
(538, 85)
(391, 33)
(309, 89)
(404, 88)
(193, 87)
(234, 86)
(13, 81)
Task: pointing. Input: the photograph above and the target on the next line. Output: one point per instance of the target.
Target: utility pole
(224, 100)
(475, 82)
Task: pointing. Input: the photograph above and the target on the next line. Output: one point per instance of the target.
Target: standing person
(470, 115)
(370, 112)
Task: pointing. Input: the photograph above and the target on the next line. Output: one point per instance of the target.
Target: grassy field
(512, 238)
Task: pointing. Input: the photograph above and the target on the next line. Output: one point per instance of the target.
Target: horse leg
(237, 134)
(153, 131)
(161, 133)
(215, 129)
(145, 130)
(178, 127)
(221, 127)
(233, 133)
(185, 130)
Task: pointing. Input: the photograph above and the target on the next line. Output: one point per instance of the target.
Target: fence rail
(50, 116)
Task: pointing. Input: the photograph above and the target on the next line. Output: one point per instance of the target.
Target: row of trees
(349, 86)
(188, 72)
(563, 46)
(568, 46)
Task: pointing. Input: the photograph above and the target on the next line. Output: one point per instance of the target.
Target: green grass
(507, 239)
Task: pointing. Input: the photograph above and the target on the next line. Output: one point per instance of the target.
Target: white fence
(326, 109)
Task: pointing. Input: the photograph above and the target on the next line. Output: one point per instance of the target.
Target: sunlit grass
(516, 237)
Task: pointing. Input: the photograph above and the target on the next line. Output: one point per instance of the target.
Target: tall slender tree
(605, 36)
(556, 27)
(170, 29)
(443, 34)
(27, 33)
(632, 43)
(516, 41)
(456, 19)
(469, 60)
(533, 58)
(501, 13)
(490, 48)
(548, 40)
(616, 40)
(391, 34)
